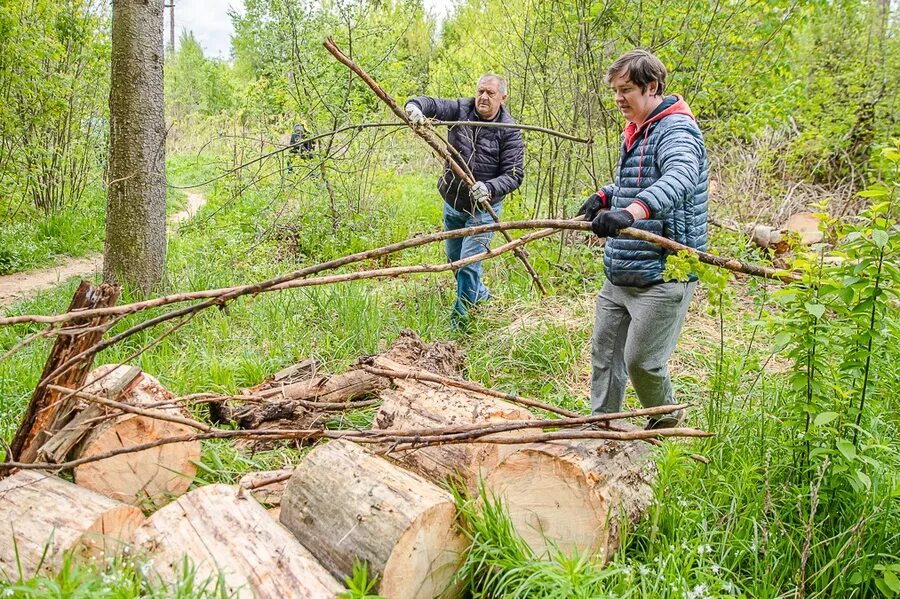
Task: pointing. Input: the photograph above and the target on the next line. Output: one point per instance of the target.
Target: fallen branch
(441, 150)
(227, 293)
(413, 438)
(67, 350)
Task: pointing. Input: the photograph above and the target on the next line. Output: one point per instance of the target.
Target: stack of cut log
(572, 494)
(342, 503)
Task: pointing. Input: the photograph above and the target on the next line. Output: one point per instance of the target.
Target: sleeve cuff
(604, 201)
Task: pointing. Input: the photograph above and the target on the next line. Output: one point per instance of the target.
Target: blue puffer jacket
(495, 156)
(664, 169)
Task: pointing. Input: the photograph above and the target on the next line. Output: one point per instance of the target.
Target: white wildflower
(715, 569)
(643, 570)
(698, 592)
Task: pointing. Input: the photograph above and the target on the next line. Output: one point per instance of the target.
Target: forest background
(799, 104)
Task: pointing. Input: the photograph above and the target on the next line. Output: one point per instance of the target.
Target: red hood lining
(632, 131)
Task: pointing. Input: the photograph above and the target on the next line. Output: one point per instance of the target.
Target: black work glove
(590, 207)
(609, 223)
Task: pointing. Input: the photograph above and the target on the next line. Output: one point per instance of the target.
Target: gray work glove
(480, 193)
(415, 115)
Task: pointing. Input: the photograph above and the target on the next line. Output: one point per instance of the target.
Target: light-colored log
(575, 494)
(416, 405)
(344, 503)
(223, 530)
(150, 477)
(43, 517)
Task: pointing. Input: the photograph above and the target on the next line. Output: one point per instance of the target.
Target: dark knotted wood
(44, 402)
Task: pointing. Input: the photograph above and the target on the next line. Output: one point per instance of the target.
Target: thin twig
(483, 433)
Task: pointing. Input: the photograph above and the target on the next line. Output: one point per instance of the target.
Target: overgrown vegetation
(799, 103)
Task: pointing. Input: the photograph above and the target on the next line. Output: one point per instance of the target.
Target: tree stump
(574, 493)
(222, 529)
(417, 405)
(84, 429)
(44, 517)
(344, 503)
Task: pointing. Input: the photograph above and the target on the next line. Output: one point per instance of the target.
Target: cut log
(44, 517)
(806, 226)
(344, 503)
(150, 477)
(416, 405)
(222, 529)
(267, 486)
(574, 494)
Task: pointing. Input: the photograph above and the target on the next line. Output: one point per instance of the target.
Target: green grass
(737, 527)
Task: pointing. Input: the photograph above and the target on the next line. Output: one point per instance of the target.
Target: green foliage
(53, 81)
(359, 585)
(195, 84)
(119, 578)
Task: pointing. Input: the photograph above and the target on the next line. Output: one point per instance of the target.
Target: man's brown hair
(642, 68)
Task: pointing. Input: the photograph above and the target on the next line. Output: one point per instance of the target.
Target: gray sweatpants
(635, 332)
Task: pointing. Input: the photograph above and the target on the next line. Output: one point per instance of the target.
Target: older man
(660, 187)
(495, 157)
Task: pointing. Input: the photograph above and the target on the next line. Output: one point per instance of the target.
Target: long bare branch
(457, 166)
(483, 433)
(721, 261)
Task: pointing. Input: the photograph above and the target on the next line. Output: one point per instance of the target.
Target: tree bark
(416, 405)
(44, 403)
(221, 528)
(43, 517)
(135, 249)
(343, 504)
(574, 493)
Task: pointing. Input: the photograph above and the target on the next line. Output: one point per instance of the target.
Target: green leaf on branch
(825, 418)
(816, 310)
(847, 449)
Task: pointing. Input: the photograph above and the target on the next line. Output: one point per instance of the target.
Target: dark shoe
(672, 420)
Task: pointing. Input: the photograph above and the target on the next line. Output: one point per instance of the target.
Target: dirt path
(22, 285)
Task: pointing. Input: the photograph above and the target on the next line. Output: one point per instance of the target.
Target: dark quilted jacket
(495, 156)
(663, 168)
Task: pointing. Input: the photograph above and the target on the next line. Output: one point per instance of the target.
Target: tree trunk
(43, 517)
(150, 477)
(574, 493)
(135, 249)
(417, 405)
(344, 503)
(220, 528)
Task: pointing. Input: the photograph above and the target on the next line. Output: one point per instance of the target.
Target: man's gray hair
(501, 82)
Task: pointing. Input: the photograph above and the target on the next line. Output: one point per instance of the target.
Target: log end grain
(152, 476)
(574, 494)
(43, 517)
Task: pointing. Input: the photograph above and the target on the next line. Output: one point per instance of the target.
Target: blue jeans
(469, 288)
